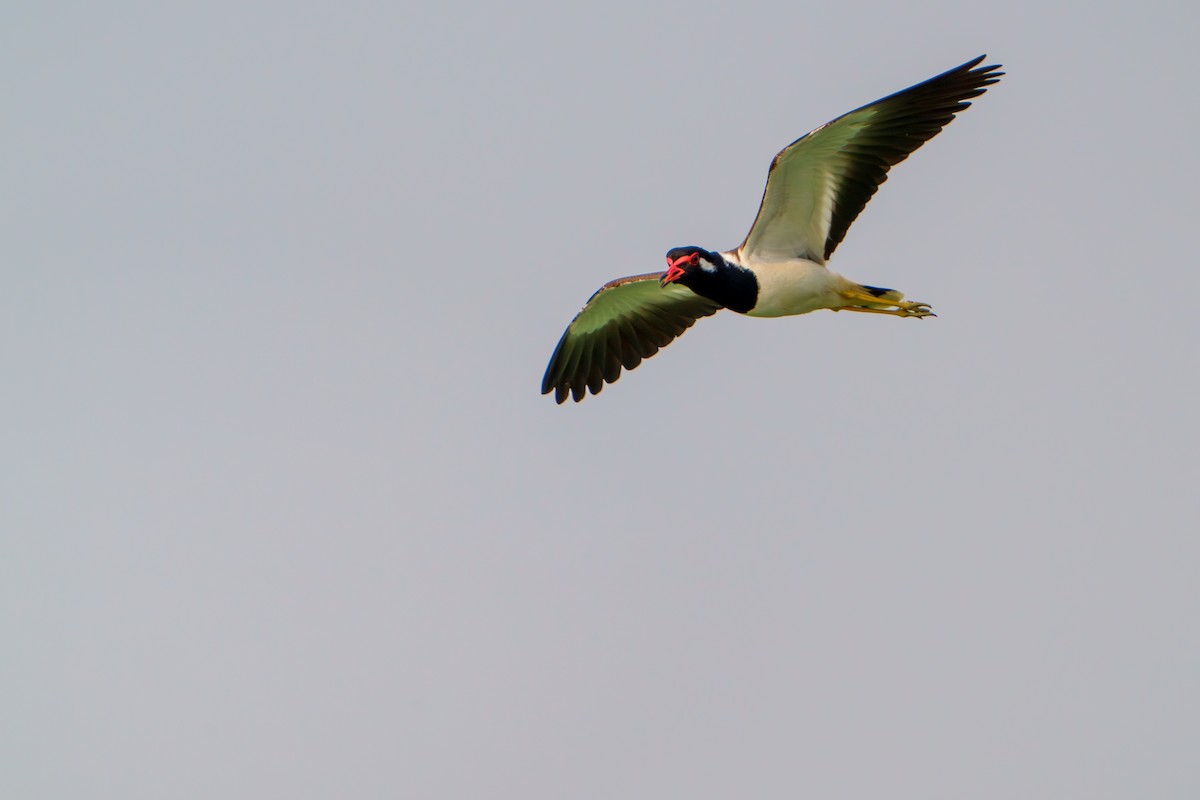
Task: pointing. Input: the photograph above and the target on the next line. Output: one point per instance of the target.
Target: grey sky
(283, 515)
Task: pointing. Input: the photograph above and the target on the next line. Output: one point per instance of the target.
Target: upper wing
(625, 321)
(819, 183)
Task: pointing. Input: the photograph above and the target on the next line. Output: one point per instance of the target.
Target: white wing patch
(801, 193)
(820, 183)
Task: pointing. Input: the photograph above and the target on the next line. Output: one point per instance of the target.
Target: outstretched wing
(625, 321)
(819, 183)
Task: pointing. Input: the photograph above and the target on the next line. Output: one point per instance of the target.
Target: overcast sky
(282, 513)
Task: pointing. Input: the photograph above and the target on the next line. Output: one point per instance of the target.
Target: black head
(711, 275)
(684, 264)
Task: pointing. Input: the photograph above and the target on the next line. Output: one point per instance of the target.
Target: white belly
(795, 287)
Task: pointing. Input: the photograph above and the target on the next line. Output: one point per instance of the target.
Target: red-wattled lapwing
(816, 187)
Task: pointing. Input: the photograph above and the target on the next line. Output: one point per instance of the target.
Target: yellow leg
(871, 305)
(895, 312)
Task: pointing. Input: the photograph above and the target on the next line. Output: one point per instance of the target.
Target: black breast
(732, 286)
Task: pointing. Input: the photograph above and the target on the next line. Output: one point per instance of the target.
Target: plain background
(283, 514)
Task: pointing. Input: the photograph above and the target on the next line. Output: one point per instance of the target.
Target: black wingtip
(989, 72)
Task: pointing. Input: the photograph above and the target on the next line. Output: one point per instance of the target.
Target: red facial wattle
(675, 269)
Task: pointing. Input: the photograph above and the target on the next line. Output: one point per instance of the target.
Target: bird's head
(686, 263)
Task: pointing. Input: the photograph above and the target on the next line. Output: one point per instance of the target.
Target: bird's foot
(883, 301)
(918, 310)
(903, 308)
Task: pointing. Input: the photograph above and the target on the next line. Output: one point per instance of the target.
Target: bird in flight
(816, 187)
